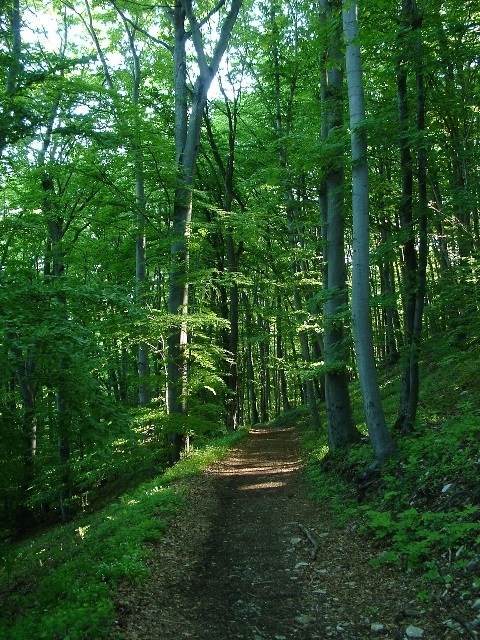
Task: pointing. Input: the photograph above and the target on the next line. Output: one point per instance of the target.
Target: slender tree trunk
(414, 268)
(409, 266)
(232, 263)
(264, 367)
(55, 226)
(14, 67)
(341, 429)
(283, 387)
(188, 120)
(233, 405)
(380, 437)
(252, 393)
(232, 254)
(421, 280)
(143, 362)
(27, 388)
(389, 307)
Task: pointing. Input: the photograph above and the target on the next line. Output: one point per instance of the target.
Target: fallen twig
(468, 627)
(311, 539)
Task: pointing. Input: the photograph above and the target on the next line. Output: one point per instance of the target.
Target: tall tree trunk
(264, 367)
(389, 309)
(14, 66)
(55, 225)
(27, 388)
(283, 387)
(409, 266)
(380, 437)
(421, 279)
(143, 362)
(55, 270)
(188, 120)
(233, 254)
(414, 267)
(232, 264)
(341, 429)
(13, 70)
(250, 369)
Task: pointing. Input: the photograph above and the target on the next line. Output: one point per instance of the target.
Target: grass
(60, 585)
(423, 511)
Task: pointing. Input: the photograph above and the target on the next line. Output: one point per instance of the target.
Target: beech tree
(341, 430)
(380, 437)
(189, 110)
(136, 210)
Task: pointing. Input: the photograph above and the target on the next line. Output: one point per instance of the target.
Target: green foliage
(330, 475)
(200, 457)
(78, 332)
(424, 506)
(61, 584)
(77, 567)
(415, 537)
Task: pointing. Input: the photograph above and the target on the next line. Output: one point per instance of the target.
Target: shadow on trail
(242, 588)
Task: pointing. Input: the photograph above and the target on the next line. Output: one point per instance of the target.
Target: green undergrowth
(422, 509)
(60, 585)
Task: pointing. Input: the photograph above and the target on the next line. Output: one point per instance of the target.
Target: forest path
(236, 565)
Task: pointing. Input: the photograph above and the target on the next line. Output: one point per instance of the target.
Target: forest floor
(237, 563)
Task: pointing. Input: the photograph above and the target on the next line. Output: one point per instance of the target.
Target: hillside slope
(236, 563)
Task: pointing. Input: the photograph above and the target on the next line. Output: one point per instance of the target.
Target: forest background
(173, 267)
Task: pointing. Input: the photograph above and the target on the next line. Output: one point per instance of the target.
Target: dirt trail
(235, 564)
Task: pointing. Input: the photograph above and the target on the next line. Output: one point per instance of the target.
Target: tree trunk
(232, 255)
(341, 429)
(55, 225)
(380, 437)
(13, 70)
(232, 382)
(414, 268)
(252, 393)
(143, 363)
(421, 283)
(188, 120)
(27, 388)
(283, 387)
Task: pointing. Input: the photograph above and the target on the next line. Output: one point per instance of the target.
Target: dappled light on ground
(267, 484)
(239, 563)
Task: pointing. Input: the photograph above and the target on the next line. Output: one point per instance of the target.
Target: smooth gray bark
(188, 121)
(340, 424)
(380, 437)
